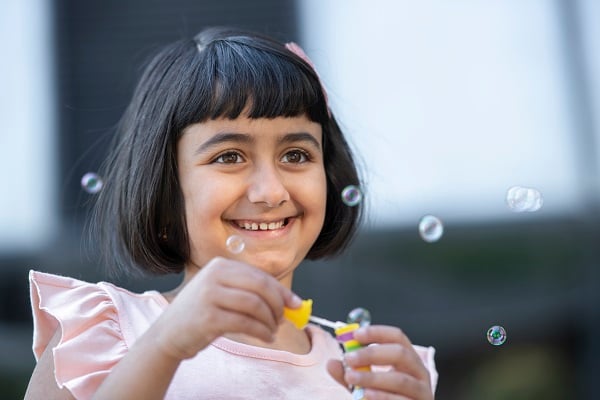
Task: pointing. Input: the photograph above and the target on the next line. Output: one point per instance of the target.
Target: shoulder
(99, 320)
(68, 302)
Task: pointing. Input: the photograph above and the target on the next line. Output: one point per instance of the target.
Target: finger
(236, 274)
(406, 355)
(401, 358)
(381, 334)
(233, 322)
(336, 370)
(290, 299)
(391, 382)
(245, 302)
(274, 293)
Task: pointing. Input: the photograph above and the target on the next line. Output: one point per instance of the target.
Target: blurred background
(447, 105)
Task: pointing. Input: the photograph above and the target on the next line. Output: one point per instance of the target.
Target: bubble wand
(344, 332)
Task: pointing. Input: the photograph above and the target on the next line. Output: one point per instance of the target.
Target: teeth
(263, 226)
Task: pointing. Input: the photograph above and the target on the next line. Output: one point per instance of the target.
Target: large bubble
(524, 199)
(360, 316)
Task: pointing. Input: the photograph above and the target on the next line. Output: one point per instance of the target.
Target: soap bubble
(496, 335)
(523, 199)
(358, 393)
(431, 228)
(91, 183)
(360, 316)
(235, 244)
(351, 195)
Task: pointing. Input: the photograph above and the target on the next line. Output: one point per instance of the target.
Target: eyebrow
(228, 137)
(299, 137)
(225, 137)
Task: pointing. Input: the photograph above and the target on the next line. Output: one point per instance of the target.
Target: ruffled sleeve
(91, 340)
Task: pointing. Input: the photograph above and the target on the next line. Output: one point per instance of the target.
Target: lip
(289, 222)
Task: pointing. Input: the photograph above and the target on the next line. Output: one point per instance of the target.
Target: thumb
(290, 299)
(336, 370)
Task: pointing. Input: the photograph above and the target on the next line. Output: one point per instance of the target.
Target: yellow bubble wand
(344, 333)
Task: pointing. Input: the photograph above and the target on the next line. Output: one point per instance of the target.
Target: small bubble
(235, 244)
(360, 316)
(431, 228)
(496, 335)
(91, 183)
(358, 393)
(351, 195)
(524, 199)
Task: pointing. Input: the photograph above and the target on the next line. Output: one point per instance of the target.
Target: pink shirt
(100, 322)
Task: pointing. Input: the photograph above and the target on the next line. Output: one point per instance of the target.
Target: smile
(261, 226)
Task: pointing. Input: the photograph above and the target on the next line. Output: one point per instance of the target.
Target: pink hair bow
(297, 50)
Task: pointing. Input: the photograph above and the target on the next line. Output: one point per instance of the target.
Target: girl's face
(260, 179)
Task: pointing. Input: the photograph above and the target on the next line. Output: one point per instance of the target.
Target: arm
(42, 384)
(144, 373)
(224, 297)
(153, 383)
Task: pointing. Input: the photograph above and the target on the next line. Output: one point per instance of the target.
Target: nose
(267, 187)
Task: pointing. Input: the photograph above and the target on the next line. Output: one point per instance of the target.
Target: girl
(227, 134)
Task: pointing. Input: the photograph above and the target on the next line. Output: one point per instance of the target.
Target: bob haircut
(139, 216)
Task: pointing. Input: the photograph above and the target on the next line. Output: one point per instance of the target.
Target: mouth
(262, 225)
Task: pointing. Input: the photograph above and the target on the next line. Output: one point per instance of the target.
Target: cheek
(204, 207)
(317, 196)
(204, 201)
(194, 216)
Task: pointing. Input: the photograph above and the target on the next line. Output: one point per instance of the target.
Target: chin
(273, 265)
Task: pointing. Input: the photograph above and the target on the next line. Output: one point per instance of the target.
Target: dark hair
(139, 214)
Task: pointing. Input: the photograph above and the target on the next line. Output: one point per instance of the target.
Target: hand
(225, 296)
(408, 378)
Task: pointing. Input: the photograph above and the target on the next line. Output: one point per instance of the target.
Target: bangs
(232, 77)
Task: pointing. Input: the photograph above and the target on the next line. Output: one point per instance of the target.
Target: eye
(231, 157)
(296, 157)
